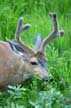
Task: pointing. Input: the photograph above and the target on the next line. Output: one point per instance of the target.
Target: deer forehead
(37, 57)
(33, 59)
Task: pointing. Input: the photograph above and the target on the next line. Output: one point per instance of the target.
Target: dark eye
(34, 63)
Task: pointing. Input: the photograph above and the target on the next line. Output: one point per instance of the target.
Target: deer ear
(38, 41)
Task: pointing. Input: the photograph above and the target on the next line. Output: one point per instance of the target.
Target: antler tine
(56, 32)
(21, 28)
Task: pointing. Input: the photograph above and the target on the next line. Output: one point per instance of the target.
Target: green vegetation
(55, 93)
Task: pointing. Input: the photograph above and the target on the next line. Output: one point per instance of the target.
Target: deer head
(22, 62)
(37, 56)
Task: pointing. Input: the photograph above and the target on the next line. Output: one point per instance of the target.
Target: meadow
(56, 92)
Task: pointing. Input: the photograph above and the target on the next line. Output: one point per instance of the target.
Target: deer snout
(44, 75)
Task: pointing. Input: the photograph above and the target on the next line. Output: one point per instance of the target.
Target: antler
(21, 28)
(56, 32)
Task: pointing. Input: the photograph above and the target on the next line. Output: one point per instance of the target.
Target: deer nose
(44, 76)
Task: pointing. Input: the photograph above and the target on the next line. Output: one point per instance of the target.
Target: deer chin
(27, 75)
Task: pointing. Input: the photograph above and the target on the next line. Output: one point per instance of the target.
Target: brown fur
(13, 66)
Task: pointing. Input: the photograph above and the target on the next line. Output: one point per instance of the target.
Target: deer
(18, 62)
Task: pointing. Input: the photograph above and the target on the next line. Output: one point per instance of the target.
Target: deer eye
(34, 63)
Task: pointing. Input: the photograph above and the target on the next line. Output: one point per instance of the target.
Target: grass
(55, 93)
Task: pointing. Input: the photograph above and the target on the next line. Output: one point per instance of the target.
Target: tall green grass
(55, 93)
(35, 13)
